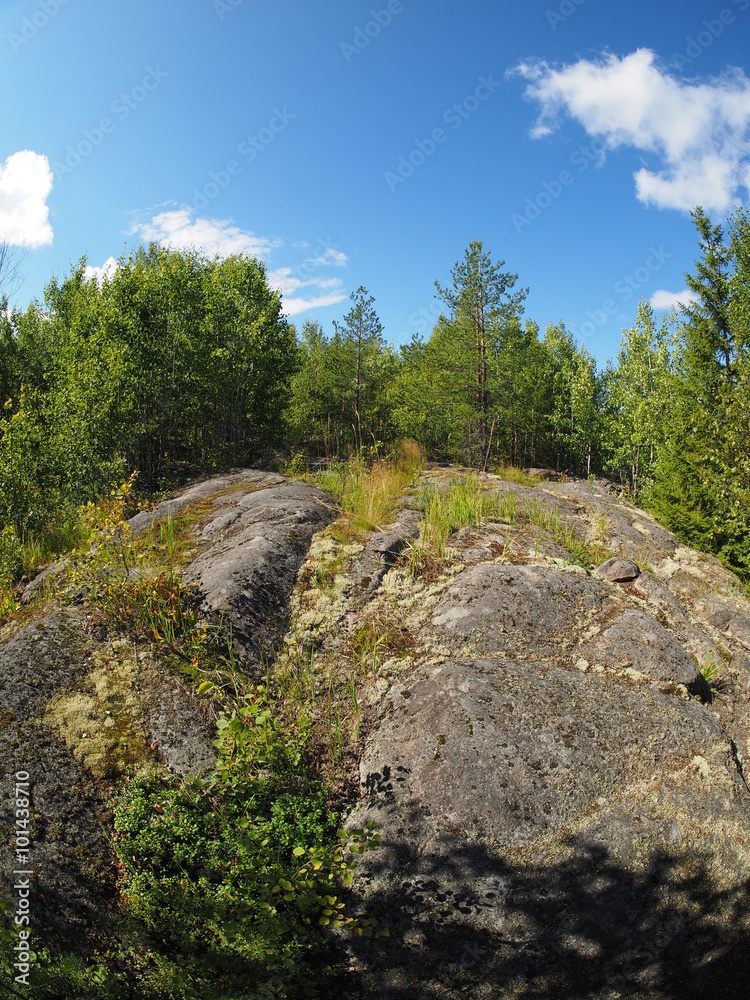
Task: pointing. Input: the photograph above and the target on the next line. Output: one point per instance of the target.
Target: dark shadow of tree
(464, 922)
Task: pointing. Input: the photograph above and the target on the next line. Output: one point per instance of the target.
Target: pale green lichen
(101, 722)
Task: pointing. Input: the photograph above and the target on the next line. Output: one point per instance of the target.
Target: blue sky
(369, 142)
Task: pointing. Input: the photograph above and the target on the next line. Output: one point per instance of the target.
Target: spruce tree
(702, 490)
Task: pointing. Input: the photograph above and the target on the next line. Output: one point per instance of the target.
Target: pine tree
(482, 305)
(362, 333)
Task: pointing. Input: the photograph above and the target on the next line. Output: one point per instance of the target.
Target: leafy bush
(230, 881)
(11, 556)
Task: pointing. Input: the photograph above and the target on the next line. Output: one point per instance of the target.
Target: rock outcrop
(80, 707)
(553, 755)
(258, 533)
(561, 798)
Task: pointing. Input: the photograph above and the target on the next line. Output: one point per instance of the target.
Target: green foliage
(638, 393)
(339, 399)
(702, 484)
(573, 418)
(177, 360)
(711, 674)
(231, 879)
(542, 398)
(483, 308)
(174, 360)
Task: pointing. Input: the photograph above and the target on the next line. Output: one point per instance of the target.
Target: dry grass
(369, 494)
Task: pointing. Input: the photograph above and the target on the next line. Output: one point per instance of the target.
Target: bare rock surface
(638, 641)
(561, 797)
(497, 607)
(259, 539)
(382, 550)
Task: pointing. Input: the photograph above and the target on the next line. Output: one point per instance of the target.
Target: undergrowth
(369, 492)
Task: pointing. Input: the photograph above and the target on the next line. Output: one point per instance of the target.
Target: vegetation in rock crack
(227, 883)
(369, 491)
(467, 503)
(712, 675)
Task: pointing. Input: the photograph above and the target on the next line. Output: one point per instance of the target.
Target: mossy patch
(320, 597)
(101, 722)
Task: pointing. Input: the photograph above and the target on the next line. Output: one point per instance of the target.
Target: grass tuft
(369, 494)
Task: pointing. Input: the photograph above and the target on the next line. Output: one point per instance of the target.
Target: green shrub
(231, 880)
(11, 555)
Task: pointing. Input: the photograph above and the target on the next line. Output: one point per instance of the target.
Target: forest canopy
(177, 361)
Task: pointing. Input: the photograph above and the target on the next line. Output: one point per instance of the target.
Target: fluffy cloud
(108, 268)
(698, 133)
(25, 183)
(307, 275)
(295, 306)
(179, 229)
(214, 237)
(664, 300)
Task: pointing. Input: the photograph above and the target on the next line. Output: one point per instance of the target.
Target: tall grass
(585, 554)
(512, 474)
(466, 504)
(369, 494)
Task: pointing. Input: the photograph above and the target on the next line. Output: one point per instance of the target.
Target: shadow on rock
(466, 921)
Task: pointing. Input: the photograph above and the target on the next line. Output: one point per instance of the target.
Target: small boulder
(619, 570)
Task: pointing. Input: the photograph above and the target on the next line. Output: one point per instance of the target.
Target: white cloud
(306, 275)
(664, 300)
(107, 270)
(179, 229)
(25, 183)
(330, 256)
(214, 237)
(697, 132)
(293, 307)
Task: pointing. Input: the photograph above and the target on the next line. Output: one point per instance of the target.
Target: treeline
(485, 388)
(178, 360)
(669, 419)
